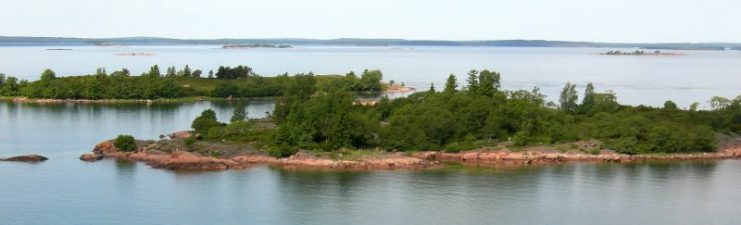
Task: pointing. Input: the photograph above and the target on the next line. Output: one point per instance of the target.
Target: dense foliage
(234, 73)
(239, 81)
(125, 143)
(481, 114)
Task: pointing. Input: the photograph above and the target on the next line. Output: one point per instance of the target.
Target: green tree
(588, 100)
(370, 80)
(48, 75)
(694, 106)
(171, 72)
(100, 72)
(718, 103)
(125, 143)
(186, 72)
(489, 82)
(451, 84)
(240, 112)
(154, 71)
(197, 73)
(473, 81)
(569, 97)
(670, 105)
(204, 122)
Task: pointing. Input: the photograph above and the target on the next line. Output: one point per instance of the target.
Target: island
(642, 53)
(326, 127)
(238, 46)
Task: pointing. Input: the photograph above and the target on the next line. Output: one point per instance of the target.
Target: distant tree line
(238, 81)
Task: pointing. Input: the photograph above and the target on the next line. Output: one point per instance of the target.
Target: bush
(204, 122)
(125, 143)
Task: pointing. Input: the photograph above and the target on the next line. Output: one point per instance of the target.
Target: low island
(642, 53)
(325, 127)
(238, 46)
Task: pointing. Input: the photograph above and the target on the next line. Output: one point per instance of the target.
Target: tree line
(238, 81)
(482, 114)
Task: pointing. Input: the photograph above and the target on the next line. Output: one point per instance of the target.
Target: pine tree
(154, 71)
(451, 84)
(473, 81)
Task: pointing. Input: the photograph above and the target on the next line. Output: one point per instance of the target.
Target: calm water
(637, 80)
(65, 190)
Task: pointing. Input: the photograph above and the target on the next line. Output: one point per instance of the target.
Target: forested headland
(478, 115)
(239, 81)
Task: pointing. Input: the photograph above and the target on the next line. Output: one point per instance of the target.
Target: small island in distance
(238, 46)
(642, 53)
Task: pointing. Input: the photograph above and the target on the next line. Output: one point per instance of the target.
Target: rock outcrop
(26, 158)
(181, 160)
(542, 156)
(91, 157)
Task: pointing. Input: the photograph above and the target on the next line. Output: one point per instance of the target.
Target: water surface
(65, 190)
(649, 80)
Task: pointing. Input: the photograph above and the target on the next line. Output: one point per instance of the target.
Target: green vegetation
(238, 81)
(125, 143)
(481, 114)
(240, 112)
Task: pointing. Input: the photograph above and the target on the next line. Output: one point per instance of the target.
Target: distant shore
(390, 89)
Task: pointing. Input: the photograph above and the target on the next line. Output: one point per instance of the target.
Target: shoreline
(21, 99)
(117, 101)
(188, 161)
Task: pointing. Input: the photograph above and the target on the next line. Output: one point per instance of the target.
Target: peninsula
(174, 85)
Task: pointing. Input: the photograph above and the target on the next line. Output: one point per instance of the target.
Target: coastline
(117, 101)
(391, 89)
(183, 160)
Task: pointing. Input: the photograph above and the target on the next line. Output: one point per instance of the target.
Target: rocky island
(25, 158)
(170, 154)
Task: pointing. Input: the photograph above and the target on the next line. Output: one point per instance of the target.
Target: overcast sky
(572, 20)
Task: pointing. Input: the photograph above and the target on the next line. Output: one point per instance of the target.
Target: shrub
(125, 143)
(204, 122)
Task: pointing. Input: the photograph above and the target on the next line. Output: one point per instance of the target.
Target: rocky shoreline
(183, 160)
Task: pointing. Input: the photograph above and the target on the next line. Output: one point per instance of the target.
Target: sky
(568, 20)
